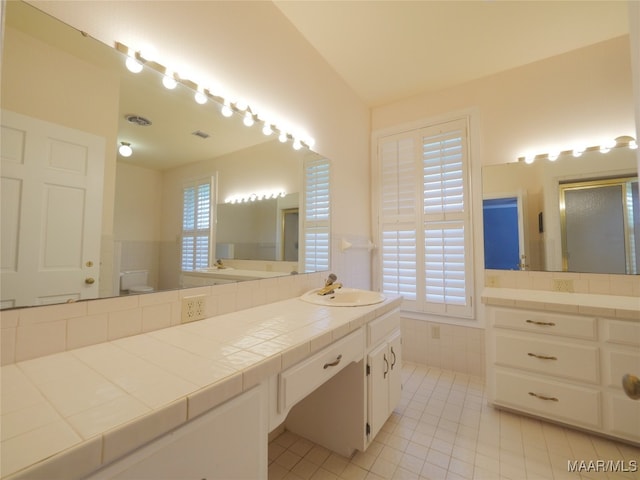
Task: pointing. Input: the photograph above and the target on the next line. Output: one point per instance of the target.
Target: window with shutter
(316, 220)
(424, 218)
(197, 216)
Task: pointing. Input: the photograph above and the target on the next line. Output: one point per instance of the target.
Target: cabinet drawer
(560, 359)
(552, 399)
(298, 381)
(379, 328)
(624, 333)
(543, 322)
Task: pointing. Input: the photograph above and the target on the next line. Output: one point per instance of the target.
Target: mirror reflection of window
(196, 225)
(600, 225)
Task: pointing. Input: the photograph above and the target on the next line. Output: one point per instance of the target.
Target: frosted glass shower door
(594, 233)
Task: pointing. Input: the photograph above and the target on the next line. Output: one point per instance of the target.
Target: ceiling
(389, 50)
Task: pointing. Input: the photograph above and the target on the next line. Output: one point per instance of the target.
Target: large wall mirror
(574, 214)
(82, 216)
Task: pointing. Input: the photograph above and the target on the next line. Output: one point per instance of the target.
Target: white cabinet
(566, 368)
(384, 371)
(229, 442)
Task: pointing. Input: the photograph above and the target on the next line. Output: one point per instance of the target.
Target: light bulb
(297, 145)
(169, 81)
(266, 129)
(241, 105)
(633, 145)
(200, 97)
(125, 149)
(607, 146)
(133, 65)
(248, 119)
(553, 156)
(528, 159)
(226, 109)
(578, 151)
(282, 137)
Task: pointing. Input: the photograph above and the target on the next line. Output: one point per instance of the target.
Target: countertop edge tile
(139, 431)
(74, 462)
(209, 397)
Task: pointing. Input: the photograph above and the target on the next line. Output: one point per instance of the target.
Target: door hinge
(368, 370)
(368, 429)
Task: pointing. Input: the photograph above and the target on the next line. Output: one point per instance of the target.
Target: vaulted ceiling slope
(389, 50)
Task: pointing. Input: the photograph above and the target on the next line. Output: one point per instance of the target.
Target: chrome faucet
(330, 285)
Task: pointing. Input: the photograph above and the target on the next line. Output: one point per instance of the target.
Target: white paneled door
(52, 183)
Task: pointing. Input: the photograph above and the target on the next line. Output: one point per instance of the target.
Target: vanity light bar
(136, 61)
(254, 197)
(622, 141)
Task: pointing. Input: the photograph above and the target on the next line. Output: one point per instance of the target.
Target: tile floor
(444, 429)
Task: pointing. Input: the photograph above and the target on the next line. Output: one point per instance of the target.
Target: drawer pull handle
(334, 363)
(393, 363)
(543, 397)
(386, 363)
(542, 357)
(544, 324)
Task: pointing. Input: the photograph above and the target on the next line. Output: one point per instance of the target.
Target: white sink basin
(344, 297)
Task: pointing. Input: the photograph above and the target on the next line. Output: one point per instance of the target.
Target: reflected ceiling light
(607, 146)
(253, 197)
(133, 64)
(266, 129)
(282, 137)
(200, 96)
(226, 109)
(169, 81)
(125, 149)
(248, 119)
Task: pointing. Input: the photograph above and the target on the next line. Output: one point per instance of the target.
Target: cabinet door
(229, 442)
(395, 370)
(378, 402)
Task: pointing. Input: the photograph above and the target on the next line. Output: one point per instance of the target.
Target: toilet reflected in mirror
(134, 281)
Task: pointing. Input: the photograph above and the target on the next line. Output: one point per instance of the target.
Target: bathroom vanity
(199, 400)
(562, 356)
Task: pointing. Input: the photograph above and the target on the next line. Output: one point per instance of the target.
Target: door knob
(89, 280)
(631, 385)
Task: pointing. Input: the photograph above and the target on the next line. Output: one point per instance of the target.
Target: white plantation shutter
(316, 215)
(424, 236)
(196, 225)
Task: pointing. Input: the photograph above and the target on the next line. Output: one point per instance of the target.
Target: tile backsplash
(33, 332)
(602, 284)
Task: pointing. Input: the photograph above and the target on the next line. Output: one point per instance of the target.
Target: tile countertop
(72, 412)
(611, 306)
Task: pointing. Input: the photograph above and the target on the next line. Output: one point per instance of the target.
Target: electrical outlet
(435, 332)
(193, 308)
(560, 285)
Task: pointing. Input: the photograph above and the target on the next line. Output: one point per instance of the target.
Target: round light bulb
(553, 156)
(226, 109)
(282, 137)
(200, 97)
(125, 149)
(248, 119)
(633, 145)
(297, 145)
(529, 159)
(169, 81)
(266, 129)
(133, 65)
